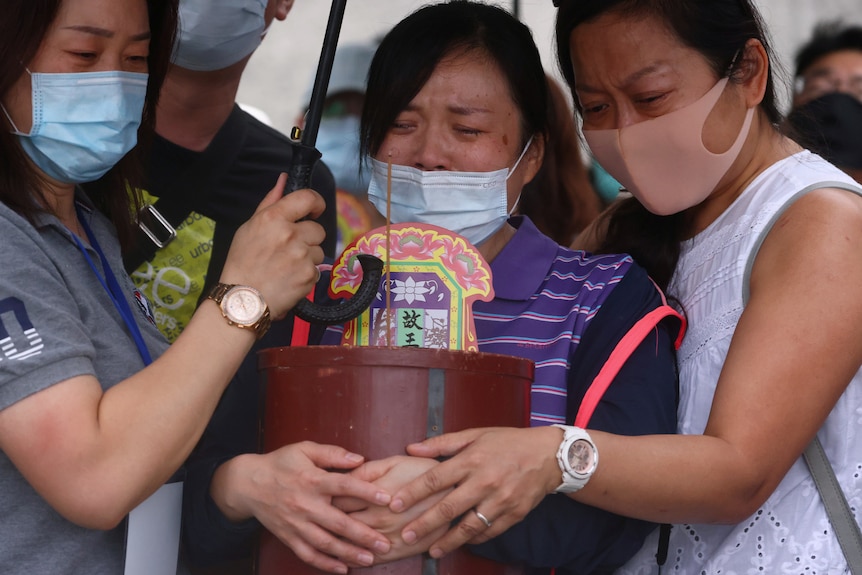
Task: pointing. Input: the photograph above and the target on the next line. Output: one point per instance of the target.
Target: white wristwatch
(577, 458)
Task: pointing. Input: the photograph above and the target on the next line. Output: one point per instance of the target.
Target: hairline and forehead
(665, 64)
(475, 37)
(467, 52)
(92, 20)
(411, 52)
(828, 38)
(478, 64)
(716, 31)
(85, 25)
(461, 55)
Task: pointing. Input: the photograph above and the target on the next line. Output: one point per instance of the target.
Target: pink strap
(626, 346)
(620, 355)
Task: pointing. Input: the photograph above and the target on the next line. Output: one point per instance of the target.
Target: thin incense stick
(388, 233)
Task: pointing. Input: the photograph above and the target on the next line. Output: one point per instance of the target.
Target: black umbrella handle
(372, 272)
(299, 171)
(299, 176)
(305, 156)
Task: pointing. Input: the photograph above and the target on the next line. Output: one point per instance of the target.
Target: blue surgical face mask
(338, 143)
(472, 204)
(215, 34)
(83, 123)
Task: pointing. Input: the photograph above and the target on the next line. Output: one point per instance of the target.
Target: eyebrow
(460, 110)
(468, 110)
(103, 33)
(630, 79)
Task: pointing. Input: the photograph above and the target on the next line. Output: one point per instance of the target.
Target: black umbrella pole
(305, 155)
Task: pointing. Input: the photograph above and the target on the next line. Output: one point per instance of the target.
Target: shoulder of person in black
(263, 154)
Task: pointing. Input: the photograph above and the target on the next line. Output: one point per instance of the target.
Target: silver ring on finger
(482, 518)
(317, 269)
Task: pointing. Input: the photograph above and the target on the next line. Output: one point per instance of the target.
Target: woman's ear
(533, 158)
(753, 72)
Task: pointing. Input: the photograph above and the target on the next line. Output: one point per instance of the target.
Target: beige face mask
(663, 161)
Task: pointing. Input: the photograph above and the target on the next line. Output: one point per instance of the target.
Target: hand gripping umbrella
(305, 155)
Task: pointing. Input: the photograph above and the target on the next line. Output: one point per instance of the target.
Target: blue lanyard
(112, 286)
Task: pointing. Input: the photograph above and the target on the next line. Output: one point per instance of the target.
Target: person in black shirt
(827, 107)
(209, 166)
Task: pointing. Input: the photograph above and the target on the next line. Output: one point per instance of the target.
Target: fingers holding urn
(290, 492)
(498, 476)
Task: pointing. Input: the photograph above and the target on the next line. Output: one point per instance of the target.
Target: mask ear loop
(515, 205)
(512, 171)
(15, 129)
(521, 157)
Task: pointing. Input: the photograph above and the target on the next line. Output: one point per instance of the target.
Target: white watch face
(582, 457)
(243, 305)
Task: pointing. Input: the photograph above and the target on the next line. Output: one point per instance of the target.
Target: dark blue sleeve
(572, 537)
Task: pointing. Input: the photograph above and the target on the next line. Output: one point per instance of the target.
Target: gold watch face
(582, 457)
(243, 305)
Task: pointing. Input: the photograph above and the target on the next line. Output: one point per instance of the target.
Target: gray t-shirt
(57, 322)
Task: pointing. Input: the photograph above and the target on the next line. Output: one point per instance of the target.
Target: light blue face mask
(338, 143)
(83, 123)
(472, 204)
(215, 34)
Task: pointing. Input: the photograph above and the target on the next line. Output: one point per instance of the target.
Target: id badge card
(153, 533)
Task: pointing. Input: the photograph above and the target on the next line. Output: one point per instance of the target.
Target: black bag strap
(173, 205)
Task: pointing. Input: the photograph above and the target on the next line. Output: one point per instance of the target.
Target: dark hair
(828, 37)
(560, 200)
(718, 30)
(409, 53)
(22, 30)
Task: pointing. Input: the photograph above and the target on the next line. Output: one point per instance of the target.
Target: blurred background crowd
(278, 76)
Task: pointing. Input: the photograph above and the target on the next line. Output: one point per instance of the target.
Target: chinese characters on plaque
(426, 296)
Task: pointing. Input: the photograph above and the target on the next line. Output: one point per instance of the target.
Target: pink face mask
(663, 161)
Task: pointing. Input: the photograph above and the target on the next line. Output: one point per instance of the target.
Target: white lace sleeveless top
(791, 532)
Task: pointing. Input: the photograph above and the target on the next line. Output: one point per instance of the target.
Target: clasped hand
(502, 473)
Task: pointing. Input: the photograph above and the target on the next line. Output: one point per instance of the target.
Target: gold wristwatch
(242, 306)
